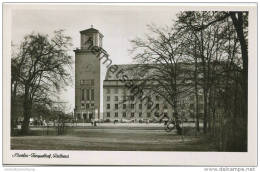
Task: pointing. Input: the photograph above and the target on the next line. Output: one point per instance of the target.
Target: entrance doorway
(90, 116)
(85, 116)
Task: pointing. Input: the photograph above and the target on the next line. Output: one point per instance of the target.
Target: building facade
(87, 76)
(121, 104)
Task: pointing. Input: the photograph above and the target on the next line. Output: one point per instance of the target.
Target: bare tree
(41, 65)
(163, 70)
(223, 69)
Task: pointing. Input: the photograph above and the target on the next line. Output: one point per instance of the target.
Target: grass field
(116, 138)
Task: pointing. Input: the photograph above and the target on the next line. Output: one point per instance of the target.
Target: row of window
(132, 98)
(108, 90)
(87, 105)
(116, 90)
(132, 106)
(87, 82)
(132, 114)
(87, 94)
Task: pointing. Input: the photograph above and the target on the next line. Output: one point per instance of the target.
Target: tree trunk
(196, 97)
(237, 19)
(205, 107)
(13, 107)
(238, 23)
(27, 108)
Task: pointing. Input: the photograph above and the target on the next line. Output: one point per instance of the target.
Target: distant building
(87, 76)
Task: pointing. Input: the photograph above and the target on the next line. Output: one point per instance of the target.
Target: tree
(162, 70)
(40, 66)
(240, 23)
(202, 50)
(224, 76)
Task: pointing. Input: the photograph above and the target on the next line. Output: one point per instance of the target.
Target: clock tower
(87, 76)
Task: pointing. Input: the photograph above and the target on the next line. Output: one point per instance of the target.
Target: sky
(118, 23)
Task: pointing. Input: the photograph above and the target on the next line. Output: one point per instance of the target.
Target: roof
(140, 71)
(90, 30)
(132, 71)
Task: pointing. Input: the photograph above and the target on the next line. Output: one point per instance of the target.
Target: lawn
(116, 138)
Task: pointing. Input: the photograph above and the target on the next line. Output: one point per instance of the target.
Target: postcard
(130, 84)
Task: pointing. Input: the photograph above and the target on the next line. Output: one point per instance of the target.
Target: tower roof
(91, 30)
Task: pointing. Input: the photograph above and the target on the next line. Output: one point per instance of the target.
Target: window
(108, 106)
(108, 90)
(116, 114)
(116, 98)
(108, 114)
(132, 106)
(92, 94)
(157, 106)
(108, 98)
(124, 106)
(92, 105)
(87, 106)
(82, 106)
(88, 94)
(165, 107)
(92, 82)
(140, 114)
(116, 106)
(148, 114)
(132, 114)
(82, 94)
(124, 114)
(157, 98)
(191, 106)
(132, 98)
(124, 98)
(140, 106)
(116, 90)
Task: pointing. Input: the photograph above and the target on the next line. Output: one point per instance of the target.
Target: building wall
(87, 78)
(114, 93)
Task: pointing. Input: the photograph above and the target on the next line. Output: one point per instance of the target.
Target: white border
(139, 157)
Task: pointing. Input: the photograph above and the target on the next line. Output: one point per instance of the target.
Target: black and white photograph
(134, 78)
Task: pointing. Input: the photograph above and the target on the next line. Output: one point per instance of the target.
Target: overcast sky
(118, 24)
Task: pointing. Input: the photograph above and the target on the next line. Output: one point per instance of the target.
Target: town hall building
(119, 104)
